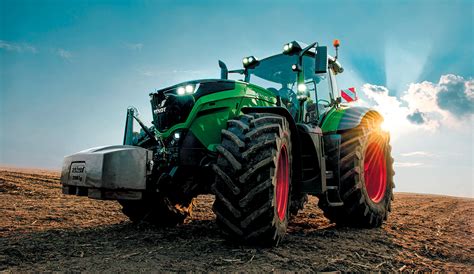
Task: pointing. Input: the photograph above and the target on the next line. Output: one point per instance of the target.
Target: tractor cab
(304, 80)
(275, 73)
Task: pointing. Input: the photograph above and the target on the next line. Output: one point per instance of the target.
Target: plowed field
(41, 229)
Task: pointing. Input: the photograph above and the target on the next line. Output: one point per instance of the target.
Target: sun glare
(385, 126)
(394, 125)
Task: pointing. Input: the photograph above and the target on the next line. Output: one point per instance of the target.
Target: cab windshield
(275, 74)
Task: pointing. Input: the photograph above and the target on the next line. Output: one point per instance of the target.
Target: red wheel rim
(282, 183)
(375, 172)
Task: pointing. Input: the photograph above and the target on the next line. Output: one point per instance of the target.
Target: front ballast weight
(118, 172)
(108, 173)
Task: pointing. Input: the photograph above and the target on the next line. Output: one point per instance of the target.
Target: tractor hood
(172, 105)
(199, 87)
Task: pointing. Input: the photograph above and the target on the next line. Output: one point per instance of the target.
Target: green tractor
(260, 145)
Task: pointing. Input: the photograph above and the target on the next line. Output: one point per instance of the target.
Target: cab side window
(335, 90)
(323, 89)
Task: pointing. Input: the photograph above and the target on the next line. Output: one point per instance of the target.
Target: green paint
(332, 120)
(227, 104)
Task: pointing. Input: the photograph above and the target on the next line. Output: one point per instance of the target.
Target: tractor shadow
(117, 241)
(199, 245)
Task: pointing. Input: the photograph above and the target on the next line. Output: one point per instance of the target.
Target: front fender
(345, 118)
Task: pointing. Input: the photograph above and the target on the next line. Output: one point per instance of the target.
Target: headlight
(187, 89)
(249, 61)
(291, 47)
(181, 91)
(296, 67)
(302, 88)
(302, 94)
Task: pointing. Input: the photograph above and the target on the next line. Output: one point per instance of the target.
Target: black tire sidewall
(248, 161)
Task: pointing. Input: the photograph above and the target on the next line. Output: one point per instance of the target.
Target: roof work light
(249, 61)
(291, 47)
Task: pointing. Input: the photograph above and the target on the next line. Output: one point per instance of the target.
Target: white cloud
(425, 105)
(147, 73)
(391, 109)
(407, 164)
(161, 72)
(188, 71)
(65, 54)
(22, 47)
(456, 95)
(134, 46)
(417, 153)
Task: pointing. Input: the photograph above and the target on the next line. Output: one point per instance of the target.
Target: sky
(70, 69)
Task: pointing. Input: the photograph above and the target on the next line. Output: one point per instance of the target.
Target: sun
(394, 124)
(386, 126)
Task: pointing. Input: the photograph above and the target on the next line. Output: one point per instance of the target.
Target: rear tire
(366, 178)
(253, 178)
(157, 210)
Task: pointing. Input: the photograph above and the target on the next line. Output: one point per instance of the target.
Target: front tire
(366, 185)
(253, 182)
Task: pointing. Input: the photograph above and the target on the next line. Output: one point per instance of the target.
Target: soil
(43, 230)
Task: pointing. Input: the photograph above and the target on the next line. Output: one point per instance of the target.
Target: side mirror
(321, 60)
(224, 70)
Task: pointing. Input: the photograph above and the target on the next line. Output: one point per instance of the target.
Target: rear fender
(342, 119)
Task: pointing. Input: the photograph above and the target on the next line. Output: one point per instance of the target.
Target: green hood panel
(211, 110)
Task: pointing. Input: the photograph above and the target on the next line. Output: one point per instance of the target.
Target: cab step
(329, 175)
(332, 196)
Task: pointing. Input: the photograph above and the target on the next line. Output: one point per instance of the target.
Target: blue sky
(69, 70)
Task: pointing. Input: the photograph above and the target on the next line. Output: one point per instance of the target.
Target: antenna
(336, 46)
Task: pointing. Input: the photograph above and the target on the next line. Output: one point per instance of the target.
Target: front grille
(170, 109)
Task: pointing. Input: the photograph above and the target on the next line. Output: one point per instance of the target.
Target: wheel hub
(375, 172)
(282, 183)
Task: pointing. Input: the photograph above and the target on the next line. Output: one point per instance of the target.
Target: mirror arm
(239, 71)
(303, 51)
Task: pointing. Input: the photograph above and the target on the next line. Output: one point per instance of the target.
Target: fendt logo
(160, 110)
(161, 107)
(162, 104)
